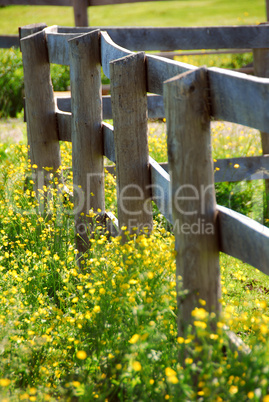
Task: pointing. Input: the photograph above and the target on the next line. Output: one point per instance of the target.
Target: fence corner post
(129, 107)
(192, 193)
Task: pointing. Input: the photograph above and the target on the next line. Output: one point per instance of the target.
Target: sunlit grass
(108, 331)
(161, 13)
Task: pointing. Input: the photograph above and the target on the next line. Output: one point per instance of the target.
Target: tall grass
(108, 331)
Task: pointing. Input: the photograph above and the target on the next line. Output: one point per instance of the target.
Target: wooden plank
(109, 143)
(58, 47)
(238, 169)
(240, 99)
(186, 38)
(8, 41)
(160, 69)
(244, 238)
(192, 192)
(110, 51)
(87, 143)
(155, 106)
(27, 30)
(129, 106)
(42, 130)
(160, 189)
(261, 69)
(249, 168)
(80, 13)
(249, 94)
(227, 88)
(64, 126)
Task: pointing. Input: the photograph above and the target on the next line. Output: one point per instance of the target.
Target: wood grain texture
(249, 168)
(192, 192)
(261, 69)
(87, 143)
(7, 41)
(243, 238)
(155, 106)
(239, 169)
(42, 130)
(28, 30)
(64, 126)
(129, 106)
(80, 13)
(110, 51)
(184, 38)
(109, 142)
(160, 189)
(58, 47)
(239, 98)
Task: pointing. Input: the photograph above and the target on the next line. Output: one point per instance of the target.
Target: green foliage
(108, 330)
(12, 86)
(11, 81)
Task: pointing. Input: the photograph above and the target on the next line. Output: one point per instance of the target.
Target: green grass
(163, 13)
(108, 331)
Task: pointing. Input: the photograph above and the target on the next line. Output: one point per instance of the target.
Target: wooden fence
(189, 98)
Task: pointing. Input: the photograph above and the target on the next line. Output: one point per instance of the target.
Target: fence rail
(189, 98)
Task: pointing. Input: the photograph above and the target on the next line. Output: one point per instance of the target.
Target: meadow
(107, 331)
(161, 13)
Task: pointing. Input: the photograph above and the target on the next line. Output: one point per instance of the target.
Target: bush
(11, 81)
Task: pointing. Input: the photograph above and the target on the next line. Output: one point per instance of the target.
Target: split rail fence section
(189, 98)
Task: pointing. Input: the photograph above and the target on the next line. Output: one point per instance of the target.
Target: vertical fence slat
(129, 107)
(40, 105)
(87, 142)
(192, 191)
(261, 69)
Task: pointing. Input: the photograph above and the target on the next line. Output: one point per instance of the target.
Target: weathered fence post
(129, 106)
(40, 107)
(192, 192)
(87, 142)
(261, 69)
(80, 12)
